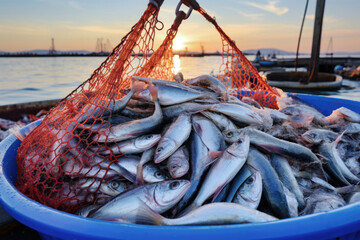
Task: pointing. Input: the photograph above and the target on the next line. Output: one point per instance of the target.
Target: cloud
(250, 15)
(97, 29)
(270, 6)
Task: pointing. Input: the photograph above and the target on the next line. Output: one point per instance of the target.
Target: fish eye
(174, 166)
(114, 184)
(159, 149)
(229, 134)
(149, 136)
(158, 174)
(240, 141)
(174, 185)
(250, 180)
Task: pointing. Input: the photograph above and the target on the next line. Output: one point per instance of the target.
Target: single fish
(222, 171)
(174, 111)
(208, 132)
(317, 136)
(343, 113)
(160, 197)
(200, 162)
(170, 95)
(209, 214)
(222, 122)
(178, 162)
(178, 132)
(145, 157)
(209, 82)
(249, 193)
(238, 180)
(237, 113)
(321, 201)
(272, 144)
(130, 146)
(304, 110)
(335, 165)
(273, 190)
(133, 128)
(287, 177)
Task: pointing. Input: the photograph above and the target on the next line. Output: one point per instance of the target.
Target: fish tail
(154, 92)
(137, 86)
(146, 215)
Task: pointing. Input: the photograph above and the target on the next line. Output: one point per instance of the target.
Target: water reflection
(177, 64)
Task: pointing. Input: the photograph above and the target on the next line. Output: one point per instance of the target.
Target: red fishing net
(60, 163)
(237, 72)
(53, 157)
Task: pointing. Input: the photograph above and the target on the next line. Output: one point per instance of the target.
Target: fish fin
(139, 175)
(146, 215)
(137, 86)
(197, 128)
(188, 209)
(337, 140)
(211, 158)
(153, 91)
(217, 192)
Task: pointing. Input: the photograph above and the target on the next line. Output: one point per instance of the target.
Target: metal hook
(177, 11)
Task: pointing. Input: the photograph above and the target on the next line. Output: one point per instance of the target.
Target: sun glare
(177, 64)
(179, 43)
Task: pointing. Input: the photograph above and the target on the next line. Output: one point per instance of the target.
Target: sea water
(27, 79)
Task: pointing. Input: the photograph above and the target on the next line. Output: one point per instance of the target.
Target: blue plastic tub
(342, 223)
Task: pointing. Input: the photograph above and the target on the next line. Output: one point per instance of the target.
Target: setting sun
(179, 43)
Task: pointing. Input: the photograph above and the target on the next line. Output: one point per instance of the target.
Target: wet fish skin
(273, 191)
(178, 132)
(222, 122)
(174, 111)
(178, 163)
(222, 171)
(249, 193)
(209, 214)
(131, 146)
(238, 113)
(317, 136)
(272, 144)
(321, 201)
(285, 173)
(208, 132)
(133, 128)
(210, 82)
(200, 162)
(238, 180)
(335, 165)
(160, 197)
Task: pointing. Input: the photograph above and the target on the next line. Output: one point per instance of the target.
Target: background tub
(341, 223)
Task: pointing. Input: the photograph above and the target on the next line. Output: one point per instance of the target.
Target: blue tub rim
(332, 224)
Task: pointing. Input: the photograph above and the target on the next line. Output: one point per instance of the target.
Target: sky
(252, 24)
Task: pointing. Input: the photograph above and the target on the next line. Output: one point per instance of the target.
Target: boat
(298, 80)
(312, 79)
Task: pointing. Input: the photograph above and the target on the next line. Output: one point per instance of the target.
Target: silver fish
(249, 193)
(222, 122)
(287, 177)
(131, 146)
(271, 144)
(209, 214)
(178, 162)
(343, 113)
(317, 136)
(160, 197)
(321, 201)
(222, 171)
(237, 113)
(133, 128)
(208, 132)
(174, 137)
(211, 83)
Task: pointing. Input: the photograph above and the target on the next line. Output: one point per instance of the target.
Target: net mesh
(237, 73)
(60, 163)
(57, 153)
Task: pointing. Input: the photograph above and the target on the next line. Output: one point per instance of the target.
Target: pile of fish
(192, 153)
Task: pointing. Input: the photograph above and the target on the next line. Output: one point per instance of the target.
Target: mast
(314, 62)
